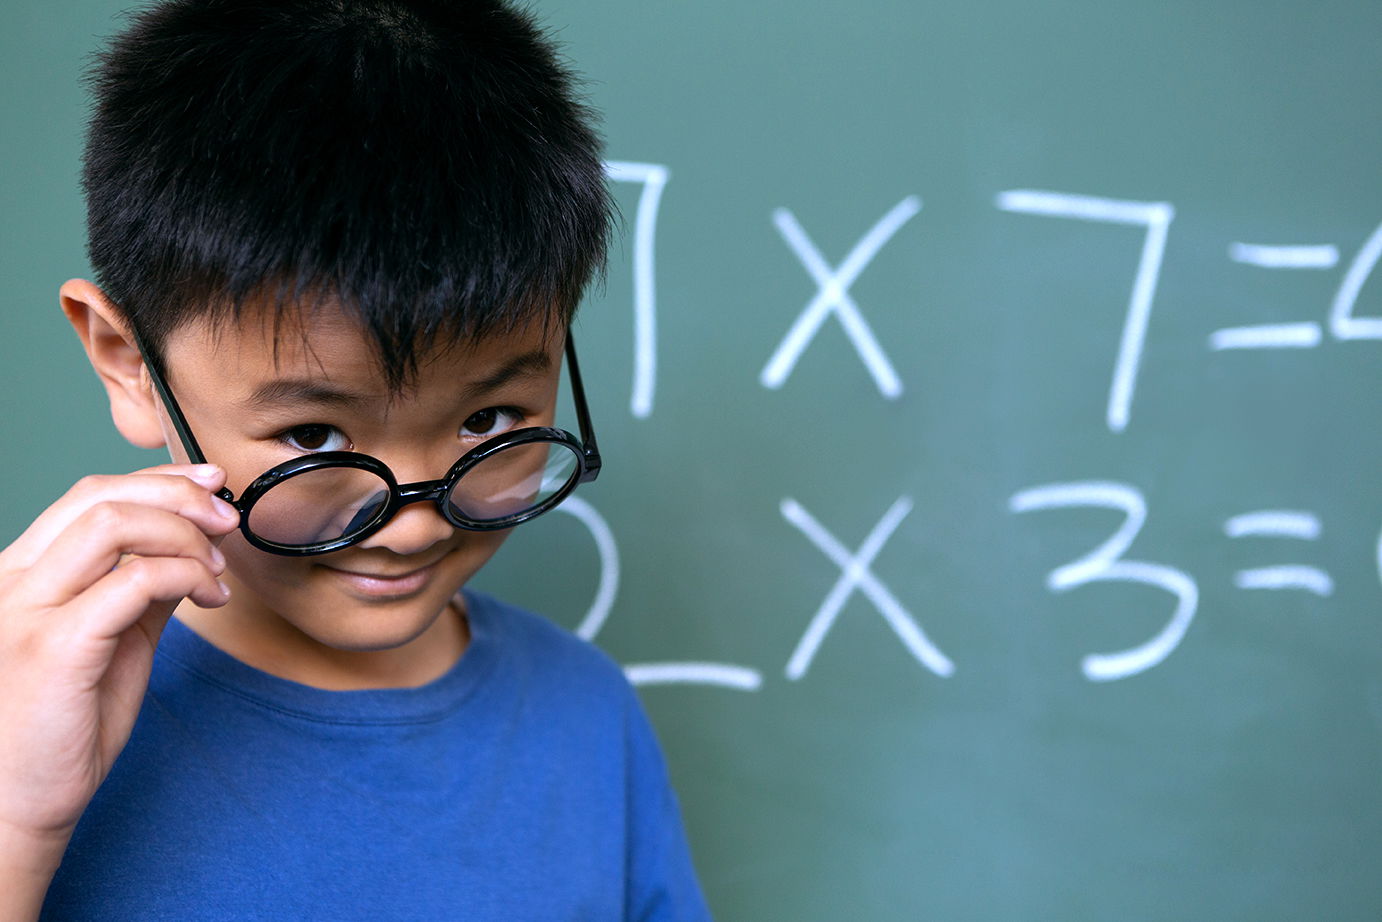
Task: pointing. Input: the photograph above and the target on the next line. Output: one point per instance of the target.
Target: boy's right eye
(315, 437)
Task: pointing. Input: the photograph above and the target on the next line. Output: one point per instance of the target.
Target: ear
(103, 331)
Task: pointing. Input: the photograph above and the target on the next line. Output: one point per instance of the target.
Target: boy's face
(255, 396)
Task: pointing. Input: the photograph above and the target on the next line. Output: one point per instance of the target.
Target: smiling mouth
(386, 585)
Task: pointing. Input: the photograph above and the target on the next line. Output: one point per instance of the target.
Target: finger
(185, 490)
(93, 545)
(211, 476)
(129, 593)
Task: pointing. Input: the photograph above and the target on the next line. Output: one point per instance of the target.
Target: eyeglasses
(329, 500)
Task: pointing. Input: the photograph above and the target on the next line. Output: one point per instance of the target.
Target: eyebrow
(300, 391)
(527, 365)
(294, 391)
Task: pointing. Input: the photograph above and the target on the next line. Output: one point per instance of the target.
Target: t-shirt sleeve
(662, 884)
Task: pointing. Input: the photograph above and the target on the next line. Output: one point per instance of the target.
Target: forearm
(27, 865)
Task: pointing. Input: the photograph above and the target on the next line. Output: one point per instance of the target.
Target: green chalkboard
(989, 395)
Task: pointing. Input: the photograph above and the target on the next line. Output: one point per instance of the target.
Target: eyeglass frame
(585, 449)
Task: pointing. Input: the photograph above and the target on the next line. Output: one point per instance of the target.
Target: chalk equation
(833, 299)
(1107, 562)
(1110, 560)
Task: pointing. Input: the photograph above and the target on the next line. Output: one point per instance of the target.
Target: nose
(416, 526)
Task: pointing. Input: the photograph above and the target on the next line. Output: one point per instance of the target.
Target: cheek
(286, 584)
(474, 550)
(259, 570)
(244, 462)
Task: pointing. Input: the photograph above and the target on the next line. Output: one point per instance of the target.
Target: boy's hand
(84, 595)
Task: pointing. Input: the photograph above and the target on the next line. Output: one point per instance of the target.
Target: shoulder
(543, 654)
(582, 714)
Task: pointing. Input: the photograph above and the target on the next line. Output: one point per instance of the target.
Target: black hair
(425, 163)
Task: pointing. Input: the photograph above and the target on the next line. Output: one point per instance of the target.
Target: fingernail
(218, 559)
(225, 510)
(225, 590)
(205, 473)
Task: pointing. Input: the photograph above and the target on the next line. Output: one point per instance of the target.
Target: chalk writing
(1325, 256)
(608, 587)
(832, 297)
(1280, 523)
(1300, 335)
(1304, 335)
(683, 673)
(653, 177)
(855, 573)
(1342, 323)
(1274, 523)
(1156, 217)
(1106, 564)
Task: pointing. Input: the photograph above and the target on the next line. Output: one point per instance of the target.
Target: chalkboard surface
(990, 401)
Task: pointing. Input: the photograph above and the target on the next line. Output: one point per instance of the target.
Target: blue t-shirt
(524, 784)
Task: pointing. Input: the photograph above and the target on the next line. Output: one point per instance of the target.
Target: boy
(338, 244)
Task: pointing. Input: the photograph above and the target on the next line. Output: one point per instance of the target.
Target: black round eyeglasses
(325, 501)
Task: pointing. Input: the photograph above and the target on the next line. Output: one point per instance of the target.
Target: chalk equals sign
(1303, 335)
(1280, 523)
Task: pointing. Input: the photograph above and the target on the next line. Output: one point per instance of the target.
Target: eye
(315, 437)
(491, 421)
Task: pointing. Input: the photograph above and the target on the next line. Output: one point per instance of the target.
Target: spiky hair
(425, 163)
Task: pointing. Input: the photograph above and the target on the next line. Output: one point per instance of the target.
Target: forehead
(325, 342)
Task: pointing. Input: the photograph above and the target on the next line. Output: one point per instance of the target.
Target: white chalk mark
(654, 178)
(1342, 323)
(1311, 579)
(1274, 523)
(832, 297)
(1280, 523)
(1080, 207)
(1101, 494)
(855, 574)
(1305, 335)
(608, 586)
(1378, 556)
(1323, 256)
(1105, 564)
(1156, 217)
(737, 677)
(598, 613)
(1106, 667)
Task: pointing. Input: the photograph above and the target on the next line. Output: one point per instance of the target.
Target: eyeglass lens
(327, 504)
(318, 506)
(512, 481)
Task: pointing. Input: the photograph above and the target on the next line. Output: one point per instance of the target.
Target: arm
(84, 595)
(27, 866)
(662, 882)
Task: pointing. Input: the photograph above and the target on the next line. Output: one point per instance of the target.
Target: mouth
(385, 585)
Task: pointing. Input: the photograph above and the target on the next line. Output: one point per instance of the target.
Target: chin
(375, 633)
(374, 626)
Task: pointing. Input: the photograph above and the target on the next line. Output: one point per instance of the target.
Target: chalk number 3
(1106, 564)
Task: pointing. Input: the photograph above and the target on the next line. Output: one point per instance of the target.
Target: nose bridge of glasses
(422, 491)
(416, 460)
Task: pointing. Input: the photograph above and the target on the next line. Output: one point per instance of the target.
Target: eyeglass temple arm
(184, 431)
(588, 446)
